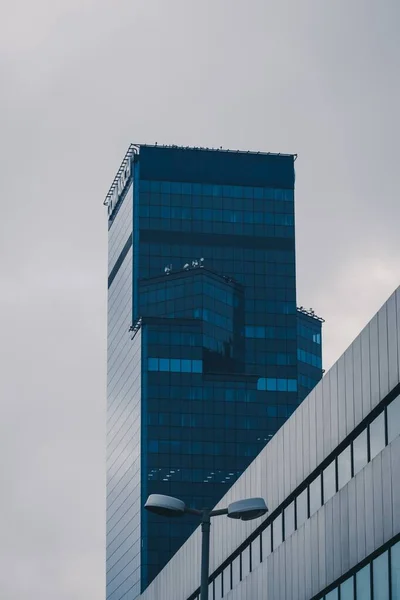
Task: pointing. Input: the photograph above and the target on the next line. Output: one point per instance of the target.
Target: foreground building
(331, 479)
(207, 354)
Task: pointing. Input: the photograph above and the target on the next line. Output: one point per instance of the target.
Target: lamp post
(245, 510)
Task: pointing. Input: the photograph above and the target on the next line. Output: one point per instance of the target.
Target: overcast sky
(79, 81)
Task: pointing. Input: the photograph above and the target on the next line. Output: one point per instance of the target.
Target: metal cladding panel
(361, 516)
(341, 375)
(352, 516)
(357, 381)
(326, 415)
(378, 500)
(374, 360)
(365, 372)
(393, 359)
(334, 405)
(397, 294)
(349, 385)
(395, 470)
(383, 352)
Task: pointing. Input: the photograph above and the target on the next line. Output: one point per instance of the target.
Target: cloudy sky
(79, 81)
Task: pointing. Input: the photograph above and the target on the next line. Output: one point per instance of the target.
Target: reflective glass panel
(363, 583)
(347, 589)
(236, 571)
(380, 572)
(218, 587)
(344, 467)
(255, 552)
(266, 542)
(393, 419)
(289, 520)
(333, 595)
(301, 508)
(377, 435)
(315, 495)
(395, 564)
(329, 481)
(277, 531)
(226, 574)
(246, 562)
(360, 452)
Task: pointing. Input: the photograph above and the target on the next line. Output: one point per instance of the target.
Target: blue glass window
(363, 583)
(277, 533)
(153, 364)
(360, 452)
(333, 595)
(329, 481)
(395, 571)
(377, 435)
(347, 589)
(302, 507)
(315, 495)
(380, 571)
(344, 467)
(393, 419)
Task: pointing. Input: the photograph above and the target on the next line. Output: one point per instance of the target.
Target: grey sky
(79, 80)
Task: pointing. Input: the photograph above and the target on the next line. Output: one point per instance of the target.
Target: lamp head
(246, 510)
(166, 506)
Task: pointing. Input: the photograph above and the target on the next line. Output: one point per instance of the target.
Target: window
(277, 533)
(302, 508)
(377, 435)
(395, 571)
(236, 571)
(347, 590)
(363, 583)
(289, 520)
(246, 561)
(380, 572)
(329, 481)
(393, 420)
(344, 467)
(315, 495)
(360, 452)
(333, 595)
(256, 552)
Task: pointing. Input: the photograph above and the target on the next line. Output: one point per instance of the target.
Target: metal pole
(205, 553)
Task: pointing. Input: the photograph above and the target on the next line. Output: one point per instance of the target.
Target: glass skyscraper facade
(207, 353)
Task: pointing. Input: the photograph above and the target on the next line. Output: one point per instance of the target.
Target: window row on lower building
(361, 448)
(375, 579)
(175, 365)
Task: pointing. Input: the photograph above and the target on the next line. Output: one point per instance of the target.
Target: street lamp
(245, 510)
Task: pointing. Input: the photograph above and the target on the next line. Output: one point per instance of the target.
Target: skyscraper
(207, 353)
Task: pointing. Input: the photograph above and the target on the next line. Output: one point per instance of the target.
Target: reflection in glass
(277, 531)
(395, 564)
(329, 481)
(301, 508)
(377, 435)
(344, 467)
(289, 520)
(333, 595)
(360, 452)
(347, 589)
(315, 495)
(393, 419)
(380, 572)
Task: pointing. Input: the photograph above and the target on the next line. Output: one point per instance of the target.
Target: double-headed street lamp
(246, 510)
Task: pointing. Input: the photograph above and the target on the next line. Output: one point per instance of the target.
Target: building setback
(331, 479)
(207, 354)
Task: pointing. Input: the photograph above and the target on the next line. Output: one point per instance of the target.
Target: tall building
(207, 353)
(331, 481)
